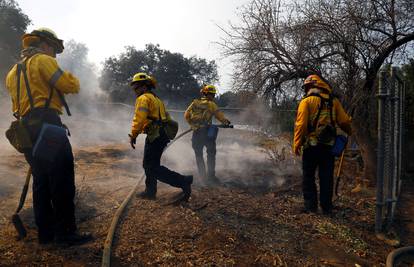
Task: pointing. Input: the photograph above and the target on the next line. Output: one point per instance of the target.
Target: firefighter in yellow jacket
(37, 87)
(149, 118)
(318, 117)
(199, 116)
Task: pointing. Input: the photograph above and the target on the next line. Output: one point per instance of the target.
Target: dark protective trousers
(199, 141)
(154, 170)
(320, 157)
(53, 184)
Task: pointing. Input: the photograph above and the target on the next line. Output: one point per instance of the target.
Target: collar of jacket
(205, 98)
(146, 92)
(317, 91)
(30, 51)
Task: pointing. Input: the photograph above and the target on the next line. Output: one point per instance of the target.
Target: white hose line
(106, 257)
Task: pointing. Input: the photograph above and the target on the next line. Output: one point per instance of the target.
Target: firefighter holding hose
(318, 116)
(199, 116)
(152, 119)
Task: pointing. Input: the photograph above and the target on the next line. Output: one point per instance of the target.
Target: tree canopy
(13, 24)
(179, 78)
(346, 41)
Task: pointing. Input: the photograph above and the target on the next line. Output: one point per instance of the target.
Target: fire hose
(106, 257)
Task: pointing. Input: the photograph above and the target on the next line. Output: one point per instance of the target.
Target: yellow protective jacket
(148, 109)
(201, 111)
(307, 113)
(42, 70)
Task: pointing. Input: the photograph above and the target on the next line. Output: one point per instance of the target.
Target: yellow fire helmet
(45, 34)
(145, 78)
(208, 89)
(316, 81)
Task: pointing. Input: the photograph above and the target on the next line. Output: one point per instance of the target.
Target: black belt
(40, 111)
(42, 114)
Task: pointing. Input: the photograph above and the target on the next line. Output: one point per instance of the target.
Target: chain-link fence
(391, 99)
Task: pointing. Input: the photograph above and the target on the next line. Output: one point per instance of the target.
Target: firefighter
(151, 118)
(199, 116)
(37, 87)
(318, 117)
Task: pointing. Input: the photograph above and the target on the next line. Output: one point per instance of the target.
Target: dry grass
(229, 225)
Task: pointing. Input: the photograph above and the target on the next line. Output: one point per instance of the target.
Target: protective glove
(132, 140)
(226, 122)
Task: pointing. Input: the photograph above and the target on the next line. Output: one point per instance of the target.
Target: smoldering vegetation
(242, 159)
(253, 155)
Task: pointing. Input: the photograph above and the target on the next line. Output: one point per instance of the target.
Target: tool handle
(338, 178)
(24, 190)
(340, 163)
(338, 174)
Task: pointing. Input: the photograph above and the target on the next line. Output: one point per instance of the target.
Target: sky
(106, 27)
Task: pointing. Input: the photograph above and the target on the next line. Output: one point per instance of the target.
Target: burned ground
(253, 219)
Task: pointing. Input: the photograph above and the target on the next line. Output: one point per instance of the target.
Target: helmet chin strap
(50, 50)
(141, 91)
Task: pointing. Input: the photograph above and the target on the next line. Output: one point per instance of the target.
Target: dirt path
(228, 226)
(251, 220)
(101, 186)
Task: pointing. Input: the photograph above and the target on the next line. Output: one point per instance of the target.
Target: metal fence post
(392, 159)
(401, 166)
(382, 95)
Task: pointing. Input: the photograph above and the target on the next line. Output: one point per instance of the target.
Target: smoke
(241, 160)
(259, 117)
(5, 120)
(94, 121)
(75, 60)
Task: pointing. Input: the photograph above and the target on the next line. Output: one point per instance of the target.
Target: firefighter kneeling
(200, 115)
(152, 118)
(318, 116)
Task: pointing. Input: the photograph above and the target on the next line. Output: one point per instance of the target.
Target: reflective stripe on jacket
(307, 112)
(148, 108)
(207, 108)
(42, 71)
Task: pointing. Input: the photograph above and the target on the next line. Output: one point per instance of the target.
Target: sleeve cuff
(134, 134)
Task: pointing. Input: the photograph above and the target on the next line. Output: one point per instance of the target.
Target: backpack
(200, 113)
(169, 125)
(326, 133)
(18, 133)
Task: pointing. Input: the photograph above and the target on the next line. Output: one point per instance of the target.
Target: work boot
(146, 195)
(308, 210)
(327, 211)
(188, 180)
(73, 238)
(201, 168)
